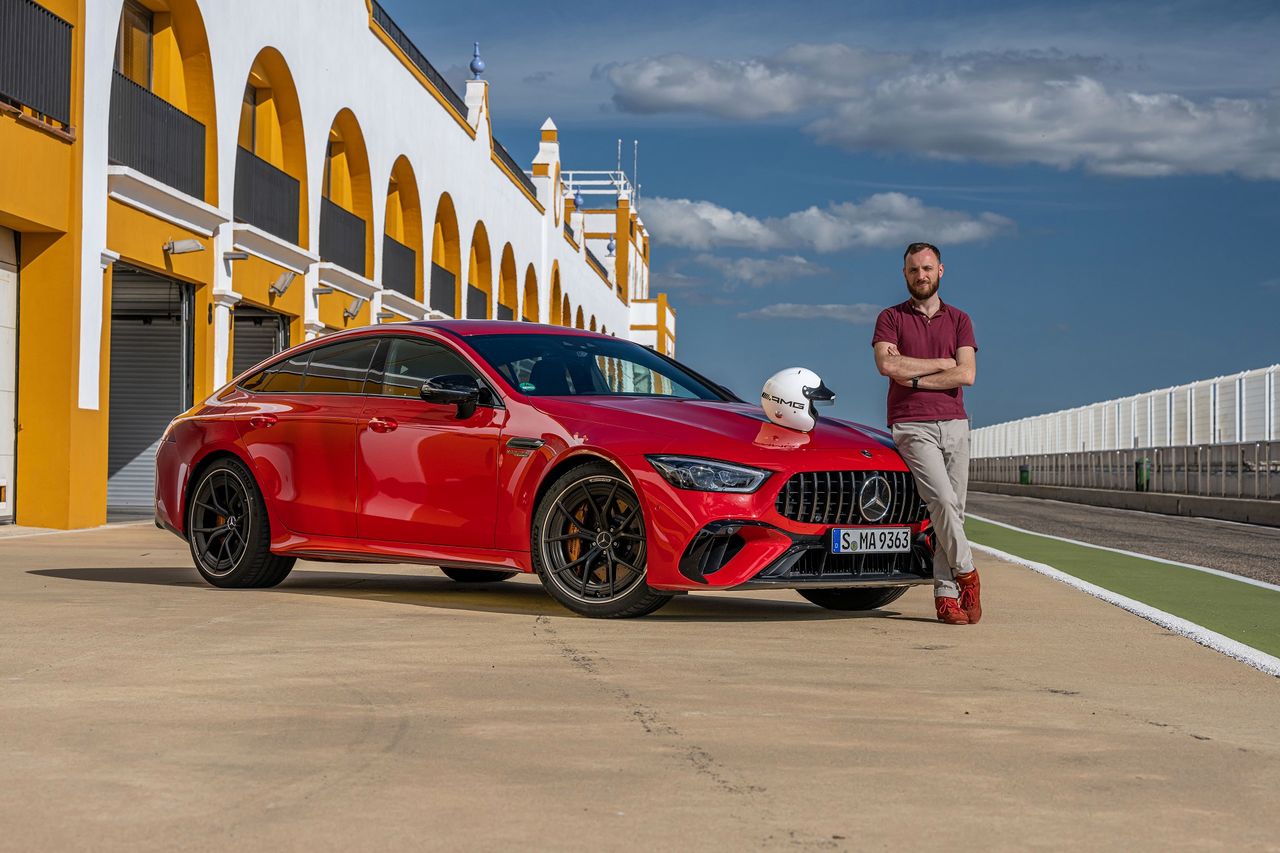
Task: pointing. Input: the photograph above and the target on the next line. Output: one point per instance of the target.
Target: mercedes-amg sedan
(618, 476)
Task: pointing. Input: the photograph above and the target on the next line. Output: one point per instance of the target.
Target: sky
(1103, 178)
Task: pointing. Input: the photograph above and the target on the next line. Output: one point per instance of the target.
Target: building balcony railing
(151, 135)
(506, 158)
(266, 196)
(35, 59)
(389, 26)
(399, 267)
(444, 290)
(341, 237)
(596, 265)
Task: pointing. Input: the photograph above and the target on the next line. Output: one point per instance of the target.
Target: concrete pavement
(384, 707)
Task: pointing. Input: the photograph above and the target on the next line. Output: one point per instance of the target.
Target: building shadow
(523, 597)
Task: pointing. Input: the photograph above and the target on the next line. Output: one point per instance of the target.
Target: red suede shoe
(949, 611)
(970, 595)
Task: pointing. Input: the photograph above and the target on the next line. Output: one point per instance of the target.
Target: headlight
(708, 475)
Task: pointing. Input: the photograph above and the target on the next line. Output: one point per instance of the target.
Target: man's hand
(964, 371)
(898, 367)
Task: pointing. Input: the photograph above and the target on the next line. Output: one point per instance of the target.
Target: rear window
(339, 368)
(284, 377)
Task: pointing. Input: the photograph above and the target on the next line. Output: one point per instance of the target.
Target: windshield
(576, 365)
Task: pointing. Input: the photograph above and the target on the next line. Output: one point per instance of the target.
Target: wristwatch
(915, 383)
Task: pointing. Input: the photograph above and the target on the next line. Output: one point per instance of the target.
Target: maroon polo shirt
(918, 336)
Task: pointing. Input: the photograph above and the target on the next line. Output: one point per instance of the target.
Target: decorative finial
(577, 198)
(477, 64)
(612, 247)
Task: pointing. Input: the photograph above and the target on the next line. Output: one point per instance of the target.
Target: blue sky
(1103, 178)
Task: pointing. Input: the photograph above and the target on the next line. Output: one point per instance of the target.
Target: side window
(340, 368)
(283, 377)
(411, 362)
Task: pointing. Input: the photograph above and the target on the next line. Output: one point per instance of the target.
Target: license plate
(870, 540)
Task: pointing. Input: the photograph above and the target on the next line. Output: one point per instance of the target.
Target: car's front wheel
(854, 599)
(228, 530)
(589, 546)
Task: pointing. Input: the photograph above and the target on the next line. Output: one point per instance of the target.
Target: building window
(249, 119)
(133, 45)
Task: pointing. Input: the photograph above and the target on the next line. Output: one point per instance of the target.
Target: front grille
(831, 497)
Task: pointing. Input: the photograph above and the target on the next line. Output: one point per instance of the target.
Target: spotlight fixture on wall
(321, 291)
(182, 247)
(281, 284)
(235, 256)
(353, 309)
(384, 316)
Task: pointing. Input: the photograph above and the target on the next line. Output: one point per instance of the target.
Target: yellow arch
(346, 177)
(556, 310)
(508, 292)
(182, 74)
(403, 222)
(273, 128)
(579, 322)
(592, 324)
(529, 305)
(446, 248)
(479, 270)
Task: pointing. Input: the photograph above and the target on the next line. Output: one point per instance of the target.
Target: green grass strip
(1246, 613)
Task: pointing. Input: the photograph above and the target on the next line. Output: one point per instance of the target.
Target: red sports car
(489, 448)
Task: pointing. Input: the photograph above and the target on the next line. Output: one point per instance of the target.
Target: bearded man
(928, 351)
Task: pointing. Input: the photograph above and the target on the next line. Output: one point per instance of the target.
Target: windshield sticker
(527, 386)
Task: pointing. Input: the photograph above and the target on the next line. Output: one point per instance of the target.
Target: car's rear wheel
(854, 599)
(477, 575)
(589, 546)
(228, 530)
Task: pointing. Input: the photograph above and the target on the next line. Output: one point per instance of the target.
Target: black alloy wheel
(477, 575)
(856, 598)
(589, 545)
(229, 532)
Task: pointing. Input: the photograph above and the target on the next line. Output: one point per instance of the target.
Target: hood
(722, 430)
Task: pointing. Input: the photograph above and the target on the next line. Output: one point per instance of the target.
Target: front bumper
(706, 540)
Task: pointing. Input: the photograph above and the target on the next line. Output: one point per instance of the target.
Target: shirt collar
(910, 307)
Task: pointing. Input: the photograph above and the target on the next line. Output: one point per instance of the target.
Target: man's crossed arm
(935, 374)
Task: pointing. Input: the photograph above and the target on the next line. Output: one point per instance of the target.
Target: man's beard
(921, 292)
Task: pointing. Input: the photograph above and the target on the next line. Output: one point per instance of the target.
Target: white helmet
(789, 396)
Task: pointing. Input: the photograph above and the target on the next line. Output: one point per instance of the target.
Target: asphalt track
(365, 707)
(1243, 549)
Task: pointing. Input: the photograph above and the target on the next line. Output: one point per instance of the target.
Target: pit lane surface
(1243, 549)
(370, 707)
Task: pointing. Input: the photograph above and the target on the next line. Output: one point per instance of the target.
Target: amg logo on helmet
(772, 399)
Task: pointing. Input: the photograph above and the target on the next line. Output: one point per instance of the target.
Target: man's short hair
(920, 247)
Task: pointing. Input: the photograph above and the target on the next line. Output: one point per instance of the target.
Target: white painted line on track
(113, 524)
(1206, 569)
(1212, 639)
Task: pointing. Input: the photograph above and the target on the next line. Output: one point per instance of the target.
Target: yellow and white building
(187, 186)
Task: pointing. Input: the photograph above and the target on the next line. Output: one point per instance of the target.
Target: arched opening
(346, 204)
(508, 288)
(162, 101)
(479, 277)
(446, 260)
(592, 325)
(402, 233)
(529, 304)
(579, 321)
(566, 313)
(555, 311)
(271, 154)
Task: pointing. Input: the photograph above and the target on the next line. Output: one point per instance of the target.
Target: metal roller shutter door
(259, 335)
(150, 380)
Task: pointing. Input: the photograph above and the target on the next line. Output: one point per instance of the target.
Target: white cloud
(1040, 107)
(879, 221)
(755, 272)
(858, 313)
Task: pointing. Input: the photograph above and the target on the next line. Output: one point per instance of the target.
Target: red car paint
(357, 478)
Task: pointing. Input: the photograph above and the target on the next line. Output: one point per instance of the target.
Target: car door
(424, 475)
(300, 434)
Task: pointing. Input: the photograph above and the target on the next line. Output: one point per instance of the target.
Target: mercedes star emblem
(874, 498)
(866, 453)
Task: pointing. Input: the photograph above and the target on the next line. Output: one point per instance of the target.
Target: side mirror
(453, 389)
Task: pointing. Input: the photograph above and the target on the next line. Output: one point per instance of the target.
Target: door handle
(263, 421)
(383, 424)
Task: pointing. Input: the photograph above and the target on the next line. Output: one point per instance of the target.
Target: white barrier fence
(1226, 410)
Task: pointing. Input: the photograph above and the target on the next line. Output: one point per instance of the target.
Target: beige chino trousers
(937, 452)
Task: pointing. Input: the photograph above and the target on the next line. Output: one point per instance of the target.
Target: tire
(589, 545)
(477, 575)
(854, 599)
(228, 530)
